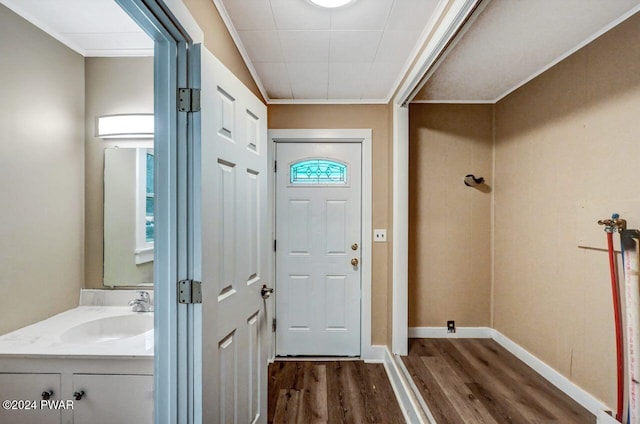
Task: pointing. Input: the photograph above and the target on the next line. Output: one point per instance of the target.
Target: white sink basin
(109, 329)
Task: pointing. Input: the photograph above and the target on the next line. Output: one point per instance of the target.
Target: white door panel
(317, 222)
(235, 248)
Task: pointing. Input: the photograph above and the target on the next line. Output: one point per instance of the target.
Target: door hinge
(188, 100)
(275, 166)
(275, 242)
(273, 325)
(189, 291)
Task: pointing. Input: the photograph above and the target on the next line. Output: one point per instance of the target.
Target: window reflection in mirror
(128, 216)
(144, 205)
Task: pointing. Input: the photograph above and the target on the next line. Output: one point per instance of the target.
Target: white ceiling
(301, 52)
(511, 42)
(90, 27)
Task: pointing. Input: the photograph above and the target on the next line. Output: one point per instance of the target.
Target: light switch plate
(379, 235)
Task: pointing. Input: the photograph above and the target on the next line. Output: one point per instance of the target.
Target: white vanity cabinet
(100, 348)
(113, 399)
(105, 398)
(23, 388)
(117, 390)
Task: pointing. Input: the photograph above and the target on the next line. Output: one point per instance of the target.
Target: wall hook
(471, 180)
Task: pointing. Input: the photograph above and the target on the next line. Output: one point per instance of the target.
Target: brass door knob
(355, 262)
(265, 292)
(354, 246)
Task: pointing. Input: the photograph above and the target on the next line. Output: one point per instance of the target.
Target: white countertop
(45, 338)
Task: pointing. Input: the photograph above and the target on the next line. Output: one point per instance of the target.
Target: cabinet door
(113, 399)
(29, 387)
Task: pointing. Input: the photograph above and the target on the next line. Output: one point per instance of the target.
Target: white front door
(235, 248)
(318, 244)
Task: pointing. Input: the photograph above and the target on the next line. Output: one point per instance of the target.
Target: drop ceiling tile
(354, 46)
(308, 80)
(411, 14)
(275, 78)
(381, 78)
(525, 37)
(299, 14)
(346, 80)
(396, 46)
(305, 46)
(250, 15)
(363, 14)
(262, 46)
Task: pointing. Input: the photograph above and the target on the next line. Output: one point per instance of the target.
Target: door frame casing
(453, 19)
(368, 352)
(176, 395)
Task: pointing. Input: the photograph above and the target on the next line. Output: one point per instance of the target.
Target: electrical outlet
(379, 235)
(451, 326)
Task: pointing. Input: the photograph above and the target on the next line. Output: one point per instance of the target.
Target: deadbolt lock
(354, 261)
(354, 246)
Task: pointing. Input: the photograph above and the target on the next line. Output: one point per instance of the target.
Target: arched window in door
(318, 171)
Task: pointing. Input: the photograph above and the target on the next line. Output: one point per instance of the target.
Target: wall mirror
(128, 216)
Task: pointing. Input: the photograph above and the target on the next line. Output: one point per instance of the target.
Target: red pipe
(617, 315)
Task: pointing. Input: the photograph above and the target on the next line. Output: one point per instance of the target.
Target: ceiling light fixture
(331, 4)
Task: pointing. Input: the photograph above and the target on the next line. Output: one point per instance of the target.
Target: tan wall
(113, 85)
(569, 136)
(450, 223)
(219, 42)
(375, 117)
(41, 169)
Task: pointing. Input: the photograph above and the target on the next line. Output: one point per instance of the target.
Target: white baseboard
(605, 418)
(588, 401)
(424, 412)
(406, 399)
(441, 333)
(374, 354)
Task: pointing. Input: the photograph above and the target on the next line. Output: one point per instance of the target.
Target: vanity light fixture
(138, 125)
(331, 4)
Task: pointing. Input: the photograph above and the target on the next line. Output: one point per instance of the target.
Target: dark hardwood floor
(331, 392)
(478, 381)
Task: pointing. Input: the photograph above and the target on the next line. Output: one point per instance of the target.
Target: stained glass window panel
(318, 171)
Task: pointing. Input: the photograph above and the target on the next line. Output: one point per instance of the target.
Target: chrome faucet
(142, 303)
